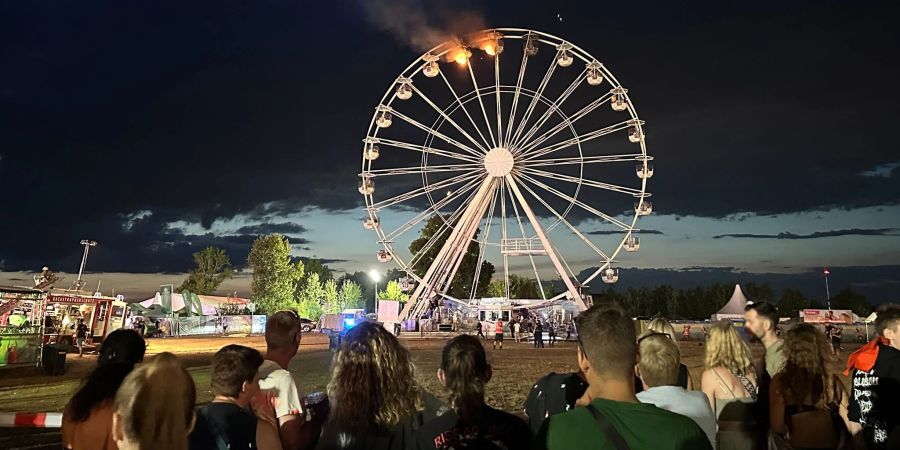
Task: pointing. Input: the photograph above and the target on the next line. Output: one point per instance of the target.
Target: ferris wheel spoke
(577, 202)
(481, 103)
(420, 169)
(424, 190)
(515, 102)
(537, 276)
(578, 139)
(555, 106)
(435, 209)
(576, 180)
(628, 157)
(534, 100)
(437, 133)
(497, 93)
(430, 150)
(465, 110)
(454, 216)
(563, 124)
(503, 224)
(483, 244)
(449, 119)
(562, 219)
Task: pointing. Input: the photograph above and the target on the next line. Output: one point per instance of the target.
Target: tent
(734, 309)
(208, 303)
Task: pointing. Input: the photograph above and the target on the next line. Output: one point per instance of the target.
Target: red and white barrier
(30, 420)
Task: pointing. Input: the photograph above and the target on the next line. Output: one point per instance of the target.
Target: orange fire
(460, 55)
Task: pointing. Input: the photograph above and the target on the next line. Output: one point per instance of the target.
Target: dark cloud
(258, 110)
(816, 235)
(615, 232)
(269, 228)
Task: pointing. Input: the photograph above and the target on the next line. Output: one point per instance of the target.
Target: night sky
(158, 128)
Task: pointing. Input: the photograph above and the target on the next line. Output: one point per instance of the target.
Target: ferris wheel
(515, 145)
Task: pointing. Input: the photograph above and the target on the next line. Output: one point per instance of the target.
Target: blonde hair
(156, 404)
(660, 325)
(373, 381)
(725, 348)
(659, 361)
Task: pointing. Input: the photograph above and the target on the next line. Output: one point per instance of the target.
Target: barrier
(30, 420)
(19, 347)
(213, 325)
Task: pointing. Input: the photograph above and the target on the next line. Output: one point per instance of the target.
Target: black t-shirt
(554, 393)
(81, 330)
(489, 429)
(223, 426)
(399, 437)
(875, 400)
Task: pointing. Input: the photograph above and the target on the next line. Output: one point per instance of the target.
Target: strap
(723, 384)
(748, 386)
(616, 439)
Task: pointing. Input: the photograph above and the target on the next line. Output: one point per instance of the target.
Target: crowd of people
(631, 391)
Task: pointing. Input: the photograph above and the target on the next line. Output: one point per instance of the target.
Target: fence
(213, 325)
(19, 346)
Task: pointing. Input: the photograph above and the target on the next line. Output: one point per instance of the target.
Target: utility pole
(79, 283)
(827, 272)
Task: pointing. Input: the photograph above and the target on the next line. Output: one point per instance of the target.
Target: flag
(826, 272)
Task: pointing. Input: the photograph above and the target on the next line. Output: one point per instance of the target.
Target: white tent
(734, 309)
(178, 304)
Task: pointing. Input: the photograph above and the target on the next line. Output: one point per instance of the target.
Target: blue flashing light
(349, 322)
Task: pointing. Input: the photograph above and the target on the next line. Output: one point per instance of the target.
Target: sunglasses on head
(653, 334)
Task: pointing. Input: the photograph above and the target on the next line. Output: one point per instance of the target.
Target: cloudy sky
(161, 128)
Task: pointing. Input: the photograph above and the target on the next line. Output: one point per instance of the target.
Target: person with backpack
(470, 422)
(612, 416)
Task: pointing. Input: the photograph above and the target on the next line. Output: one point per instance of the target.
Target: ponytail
(156, 405)
(465, 368)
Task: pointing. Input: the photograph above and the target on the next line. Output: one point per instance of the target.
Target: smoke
(408, 22)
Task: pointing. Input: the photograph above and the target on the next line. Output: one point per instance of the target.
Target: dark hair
(886, 316)
(807, 373)
(465, 373)
(119, 352)
(123, 347)
(281, 329)
(765, 310)
(608, 340)
(233, 365)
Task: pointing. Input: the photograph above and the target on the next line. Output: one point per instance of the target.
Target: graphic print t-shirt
(490, 429)
(875, 400)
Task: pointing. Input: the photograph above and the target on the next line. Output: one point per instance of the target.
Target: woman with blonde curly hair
(808, 402)
(375, 400)
(729, 383)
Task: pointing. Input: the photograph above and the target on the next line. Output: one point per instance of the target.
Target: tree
(211, 268)
(523, 287)
(366, 286)
(275, 277)
(350, 296)
(392, 291)
(313, 265)
(852, 300)
(311, 298)
(331, 296)
(496, 289)
(791, 302)
(461, 285)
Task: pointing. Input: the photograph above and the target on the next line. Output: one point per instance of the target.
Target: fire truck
(62, 309)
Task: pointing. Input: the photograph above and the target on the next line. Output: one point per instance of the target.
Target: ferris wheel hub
(498, 162)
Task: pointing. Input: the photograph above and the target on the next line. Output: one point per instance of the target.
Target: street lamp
(376, 277)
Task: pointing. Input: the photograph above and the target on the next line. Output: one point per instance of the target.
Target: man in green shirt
(761, 319)
(613, 418)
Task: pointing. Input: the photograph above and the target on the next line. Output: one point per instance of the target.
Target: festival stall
(734, 309)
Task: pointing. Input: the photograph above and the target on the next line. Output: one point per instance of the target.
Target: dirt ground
(515, 368)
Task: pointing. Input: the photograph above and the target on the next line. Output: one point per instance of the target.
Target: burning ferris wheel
(525, 148)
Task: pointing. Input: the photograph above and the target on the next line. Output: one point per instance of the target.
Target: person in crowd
(226, 423)
(470, 423)
(875, 376)
(762, 320)
(498, 334)
(279, 403)
(660, 325)
(705, 330)
(81, 331)
(837, 334)
(686, 333)
(613, 417)
(517, 331)
(539, 334)
(87, 418)
(659, 369)
(154, 407)
(808, 402)
(552, 394)
(568, 331)
(860, 336)
(481, 330)
(376, 402)
(730, 384)
(552, 333)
